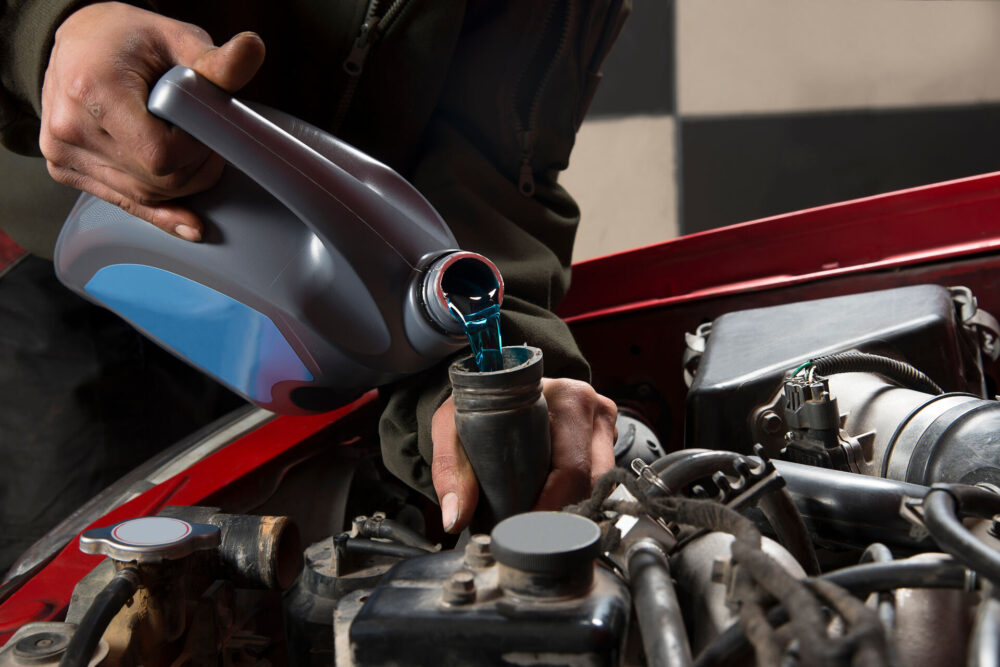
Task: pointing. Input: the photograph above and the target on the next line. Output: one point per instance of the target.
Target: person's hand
(582, 426)
(96, 133)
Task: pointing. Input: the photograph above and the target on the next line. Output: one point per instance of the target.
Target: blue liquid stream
(475, 307)
(483, 331)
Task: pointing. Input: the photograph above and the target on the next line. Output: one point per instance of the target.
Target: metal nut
(771, 422)
(477, 551)
(460, 588)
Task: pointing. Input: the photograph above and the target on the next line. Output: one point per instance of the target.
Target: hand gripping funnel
(320, 271)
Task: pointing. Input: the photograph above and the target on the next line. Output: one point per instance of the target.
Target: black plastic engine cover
(405, 621)
(748, 352)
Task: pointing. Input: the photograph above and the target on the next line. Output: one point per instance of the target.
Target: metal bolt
(460, 589)
(771, 422)
(477, 551)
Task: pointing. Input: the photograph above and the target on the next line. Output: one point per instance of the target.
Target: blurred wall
(714, 112)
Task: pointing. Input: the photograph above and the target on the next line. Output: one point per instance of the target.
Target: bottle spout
(458, 284)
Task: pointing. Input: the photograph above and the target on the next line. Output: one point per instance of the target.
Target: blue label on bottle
(227, 339)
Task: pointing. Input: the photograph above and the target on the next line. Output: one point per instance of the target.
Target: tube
(942, 507)
(855, 510)
(104, 608)
(879, 553)
(387, 529)
(790, 529)
(359, 545)
(503, 422)
(661, 624)
(984, 646)
(677, 471)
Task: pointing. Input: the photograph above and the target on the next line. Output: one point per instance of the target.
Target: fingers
(451, 473)
(232, 65)
(97, 134)
(171, 218)
(582, 425)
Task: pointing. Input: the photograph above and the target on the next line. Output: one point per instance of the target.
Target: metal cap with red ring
(151, 539)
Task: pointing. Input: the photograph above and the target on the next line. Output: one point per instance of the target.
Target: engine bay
(807, 474)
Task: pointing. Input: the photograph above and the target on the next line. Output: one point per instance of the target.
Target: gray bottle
(319, 275)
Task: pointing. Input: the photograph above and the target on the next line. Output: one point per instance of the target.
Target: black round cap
(546, 542)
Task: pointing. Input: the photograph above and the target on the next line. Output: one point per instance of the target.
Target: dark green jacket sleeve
(27, 30)
(514, 73)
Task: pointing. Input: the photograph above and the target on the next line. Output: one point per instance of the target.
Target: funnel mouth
(462, 274)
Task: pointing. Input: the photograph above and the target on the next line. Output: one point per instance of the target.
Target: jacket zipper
(372, 29)
(527, 108)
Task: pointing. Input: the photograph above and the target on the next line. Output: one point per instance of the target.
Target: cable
(677, 471)
(731, 647)
(105, 606)
(861, 362)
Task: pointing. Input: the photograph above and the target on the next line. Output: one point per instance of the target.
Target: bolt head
(477, 551)
(771, 422)
(460, 588)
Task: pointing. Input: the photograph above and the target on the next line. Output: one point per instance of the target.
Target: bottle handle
(357, 204)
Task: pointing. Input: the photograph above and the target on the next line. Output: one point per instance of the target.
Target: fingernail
(187, 233)
(449, 510)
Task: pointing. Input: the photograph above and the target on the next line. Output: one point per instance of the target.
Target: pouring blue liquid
(476, 309)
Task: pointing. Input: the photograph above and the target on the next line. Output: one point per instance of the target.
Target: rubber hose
(879, 553)
(677, 471)
(861, 362)
(392, 530)
(360, 545)
(105, 606)
(661, 625)
(941, 518)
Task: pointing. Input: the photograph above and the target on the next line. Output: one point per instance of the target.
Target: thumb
(232, 65)
(451, 473)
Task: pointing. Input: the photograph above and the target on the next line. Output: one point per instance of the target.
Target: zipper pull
(526, 182)
(355, 60)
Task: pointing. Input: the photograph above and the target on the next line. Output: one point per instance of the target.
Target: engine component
(734, 377)
(503, 421)
(254, 551)
(814, 435)
(529, 606)
(919, 437)
(330, 573)
(636, 440)
(44, 644)
(177, 576)
(151, 539)
(932, 625)
(849, 510)
(701, 569)
(661, 623)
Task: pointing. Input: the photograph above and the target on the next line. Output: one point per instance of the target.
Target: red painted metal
(10, 252)
(46, 595)
(901, 228)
